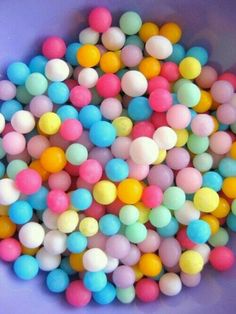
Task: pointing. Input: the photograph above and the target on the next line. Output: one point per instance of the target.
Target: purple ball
(226, 114)
(222, 91)
(102, 155)
(177, 158)
(161, 175)
(190, 280)
(117, 246)
(170, 251)
(131, 55)
(123, 276)
(133, 256)
(7, 90)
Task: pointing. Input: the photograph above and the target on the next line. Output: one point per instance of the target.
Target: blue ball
(67, 112)
(9, 107)
(199, 53)
(71, 52)
(212, 180)
(102, 134)
(20, 212)
(76, 242)
(57, 280)
(58, 92)
(109, 224)
(170, 230)
(177, 55)
(2, 170)
(38, 200)
(117, 169)
(81, 199)
(198, 231)
(89, 115)
(65, 265)
(231, 222)
(139, 109)
(17, 72)
(227, 167)
(95, 281)
(38, 64)
(26, 267)
(106, 295)
(175, 99)
(134, 40)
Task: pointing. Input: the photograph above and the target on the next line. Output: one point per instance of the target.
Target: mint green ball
(197, 144)
(122, 229)
(36, 84)
(160, 216)
(130, 23)
(125, 295)
(188, 94)
(76, 154)
(203, 162)
(136, 232)
(233, 207)
(174, 198)
(14, 167)
(22, 95)
(220, 238)
(179, 83)
(129, 214)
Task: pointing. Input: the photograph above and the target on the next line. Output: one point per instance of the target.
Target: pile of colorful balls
(118, 163)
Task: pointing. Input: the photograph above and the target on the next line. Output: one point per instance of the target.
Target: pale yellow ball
(88, 226)
(190, 68)
(68, 221)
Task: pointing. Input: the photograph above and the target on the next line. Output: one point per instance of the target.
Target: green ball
(125, 295)
(134, 40)
(160, 216)
(188, 94)
(129, 214)
(198, 144)
(130, 23)
(179, 83)
(36, 84)
(220, 238)
(122, 229)
(174, 198)
(136, 232)
(76, 154)
(233, 207)
(203, 162)
(14, 167)
(233, 127)
(22, 95)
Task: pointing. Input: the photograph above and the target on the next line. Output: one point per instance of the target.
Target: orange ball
(36, 165)
(233, 151)
(229, 187)
(7, 227)
(213, 222)
(150, 67)
(222, 209)
(76, 261)
(129, 191)
(28, 251)
(150, 264)
(53, 159)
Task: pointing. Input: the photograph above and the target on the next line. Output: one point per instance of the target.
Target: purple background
(23, 26)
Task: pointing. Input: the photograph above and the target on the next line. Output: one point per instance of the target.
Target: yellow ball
(229, 187)
(182, 137)
(206, 200)
(190, 68)
(213, 222)
(233, 151)
(191, 262)
(137, 272)
(148, 30)
(150, 67)
(49, 123)
(222, 209)
(130, 191)
(205, 102)
(123, 126)
(143, 212)
(150, 264)
(76, 261)
(110, 62)
(7, 227)
(172, 31)
(104, 192)
(68, 221)
(3, 210)
(161, 157)
(88, 226)
(88, 56)
(216, 124)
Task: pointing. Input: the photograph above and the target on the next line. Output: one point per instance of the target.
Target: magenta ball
(58, 201)
(54, 47)
(80, 96)
(77, 295)
(7, 90)
(28, 181)
(170, 251)
(178, 117)
(138, 172)
(133, 256)
(160, 100)
(40, 105)
(36, 145)
(152, 196)
(108, 85)
(161, 175)
(120, 147)
(226, 114)
(190, 280)
(189, 179)
(100, 19)
(143, 128)
(151, 243)
(10, 249)
(117, 246)
(59, 181)
(220, 142)
(13, 143)
(102, 155)
(158, 82)
(170, 71)
(222, 91)
(131, 55)
(71, 130)
(123, 276)
(203, 124)
(177, 158)
(207, 77)
(90, 171)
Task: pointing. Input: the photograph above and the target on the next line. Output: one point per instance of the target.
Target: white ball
(2, 122)
(57, 70)
(23, 121)
(112, 264)
(111, 108)
(31, 235)
(88, 36)
(113, 39)
(55, 242)
(8, 192)
(144, 151)
(165, 137)
(88, 77)
(134, 83)
(204, 250)
(94, 260)
(50, 219)
(170, 284)
(47, 261)
(159, 47)
(187, 213)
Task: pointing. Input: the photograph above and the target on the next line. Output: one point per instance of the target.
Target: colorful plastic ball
(149, 67)
(71, 52)
(190, 68)
(159, 47)
(10, 249)
(88, 77)
(213, 180)
(17, 73)
(170, 284)
(67, 112)
(178, 54)
(104, 192)
(169, 251)
(197, 144)
(198, 231)
(14, 167)
(207, 77)
(174, 198)
(161, 175)
(76, 242)
(206, 200)
(88, 55)
(94, 260)
(100, 19)
(130, 22)
(189, 179)
(109, 224)
(88, 36)
(39, 105)
(36, 84)
(77, 294)
(8, 192)
(55, 242)
(31, 235)
(152, 196)
(143, 151)
(172, 31)
(90, 171)
(7, 90)
(169, 230)
(220, 142)
(191, 262)
(131, 55)
(151, 243)
(54, 47)
(28, 181)
(113, 39)
(57, 70)
(88, 226)
(76, 154)
(139, 109)
(177, 158)
(187, 213)
(57, 201)
(178, 117)
(67, 221)
(117, 246)
(65, 265)
(231, 222)
(226, 114)
(129, 191)
(199, 53)
(71, 129)
(13, 143)
(23, 121)
(57, 281)
(123, 126)
(49, 123)
(81, 199)
(222, 258)
(110, 62)
(37, 64)
(160, 100)
(8, 228)
(228, 187)
(9, 107)
(136, 232)
(125, 295)
(170, 71)
(20, 212)
(102, 134)
(117, 169)
(123, 276)
(188, 94)
(26, 267)
(160, 216)
(222, 91)
(190, 280)
(203, 162)
(128, 214)
(165, 137)
(108, 85)
(148, 30)
(202, 125)
(147, 290)
(58, 92)
(134, 83)
(158, 82)
(80, 96)
(89, 115)
(150, 264)
(111, 108)
(95, 281)
(106, 295)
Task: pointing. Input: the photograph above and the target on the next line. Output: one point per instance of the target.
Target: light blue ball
(170, 230)
(198, 231)
(109, 224)
(134, 40)
(71, 52)
(2, 170)
(57, 280)
(67, 112)
(213, 180)
(58, 92)
(117, 169)
(9, 107)
(102, 134)
(76, 242)
(17, 72)
(139, 109)
(95, 281)
(38, 200)
(106, 295)
(199, 53)
(26, 267)
(65, 265)
(227, 167)
(231, 222)
(89, 115)
(38, 64)
(81, 199)
(20, 212)
(177, 55)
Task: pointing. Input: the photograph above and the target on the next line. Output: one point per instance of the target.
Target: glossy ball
(26, 267)
(222, 258)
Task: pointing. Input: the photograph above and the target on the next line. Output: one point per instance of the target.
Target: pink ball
(24, 156)
(102, 155)
(117, 246)
(220, 142)
(183, 239)
(207, 77)
(77, 295)
(90, 171)
(143, 128)
(58, 201)
(229, 77)
(160, 100)
(57, 140)
(13, 143)
(108, 85)
(111, 108)
(8, 128)
(203, 124)
(151, 243)
(80, 96)
(158, 119)
(216, 158)
(147, 290)
(97, 241)
(85, 140)
(222, 91)
(161, 175)
(123, 276)
(226, 114)
(138, 172)
(170, 251)
(190, 280)
(222, 258)
(10, 249)
(100, 19)
(54, 47)
(7, 90)
(59, 181)
(178, 117)
(131, 55)
(70, 83)
(28, 181)
(158, 82)
(170, 71)
(80, 183)
(120, 147)
(132, 257)
(95, 210)
(152, 196)
(36, 145)
(71, 129)
(40, 105)
(189, 179)
(177, 158)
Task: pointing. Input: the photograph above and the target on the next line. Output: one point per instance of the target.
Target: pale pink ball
(189, 179)
(40, 105)
(7, 90)
(102, 155)
(85, 140)
(97, 241)
(177, 158)
(222, 91)
(101, 49)
(59, 181)
(138, 172)
(133, 256)
(58, 201)
(28, 181)
(226, 114)
(117, 246)
(80, 96)
(190, 280)
(131, 55)
(71, 130)
(170, 251)
(13, 143)
(80, 183)
(161, 175)
(111, 108)
(24, 156)
(120, 147)
(220, 142)
(10, 249)
(178, 116)
(57, 140)
(90, 171)
(207, 77)
(151, 243)
(203, 124)
(123, 276)
(36, 145)
(152, 196)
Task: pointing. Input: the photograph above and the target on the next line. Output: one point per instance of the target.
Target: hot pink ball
(143, 128)
(147, 290)
(108, 85)
(177, 158)
(203, 124)
(13, 143)
(111, 108)
(170, 71)
(54, 47)
(77, 295)
(190, 280)
(102, 155)
(160, 100)
(222, 91)
(40, 105)
(151, 243)
(59, 181)
(7, 90)
(120, 147)
(229, 77)
(132, 257)
(28, 181)
(95, 210)
(152, 196)
(117, 246)
(90, 171)
(207, 77)
(100, 19)
(138, 172)
(220, 142)
(226, 114)
(36, 145)
(161, 175)
(57, 140)
(158, 82)
(222, 258)
(80, 96)
(71, 129)
(158, 119)
(189, 179)
(178, 116)
(97, 241)
(123, 276)
(10, 249)
(131, 55)
(85, 140)
(58, 201)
